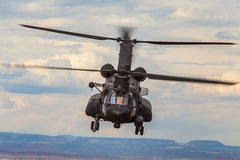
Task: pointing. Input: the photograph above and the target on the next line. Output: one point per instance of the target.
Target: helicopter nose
(118, 113)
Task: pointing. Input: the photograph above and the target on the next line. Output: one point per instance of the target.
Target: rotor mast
(125, 55)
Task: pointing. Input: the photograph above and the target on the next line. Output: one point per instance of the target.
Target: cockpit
(121, 100)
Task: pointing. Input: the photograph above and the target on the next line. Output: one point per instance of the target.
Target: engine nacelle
(140, 78)
(107, 70)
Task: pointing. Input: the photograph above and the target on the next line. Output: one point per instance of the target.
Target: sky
(53, 102)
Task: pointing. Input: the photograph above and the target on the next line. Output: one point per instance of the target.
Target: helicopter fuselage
(121, 99)
(120, 102)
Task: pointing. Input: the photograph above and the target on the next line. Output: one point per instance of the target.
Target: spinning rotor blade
(125, 35)
(184, 79)
(47, 67)
(70, 33)
(148, 75)
(184, 43)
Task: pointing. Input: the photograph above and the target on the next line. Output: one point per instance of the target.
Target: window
(121, 100)
(113, 99)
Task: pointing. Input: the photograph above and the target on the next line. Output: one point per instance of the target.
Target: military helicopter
(120, 99)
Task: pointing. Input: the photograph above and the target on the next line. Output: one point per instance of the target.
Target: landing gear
(117, 125)
(95, 124)
(139, 125)
(139, 129)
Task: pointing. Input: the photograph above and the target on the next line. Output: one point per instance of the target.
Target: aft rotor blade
(184, 43)
(70, 33)
(47, 67)
(185, 79)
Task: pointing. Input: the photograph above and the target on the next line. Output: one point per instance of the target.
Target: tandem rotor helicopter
(121, 98)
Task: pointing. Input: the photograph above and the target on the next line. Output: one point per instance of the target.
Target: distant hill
(114, 147)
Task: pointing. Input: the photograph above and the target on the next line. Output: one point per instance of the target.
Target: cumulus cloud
(37, 110)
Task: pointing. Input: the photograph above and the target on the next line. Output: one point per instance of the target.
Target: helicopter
(121, 98)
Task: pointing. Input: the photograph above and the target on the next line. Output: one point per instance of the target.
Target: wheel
(136, 130)
(117, 125)
(141, 130)
(92, 123)
(97, 127)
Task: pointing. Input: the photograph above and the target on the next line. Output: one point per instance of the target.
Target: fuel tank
(94, 105)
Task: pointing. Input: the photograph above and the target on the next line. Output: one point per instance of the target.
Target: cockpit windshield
(121, 100)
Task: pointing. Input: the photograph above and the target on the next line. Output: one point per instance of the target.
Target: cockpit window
(125, 101)
(113, 99)
(121, 100)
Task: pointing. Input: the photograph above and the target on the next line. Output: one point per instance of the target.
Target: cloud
(23, 88)
(228, 35)
(39, 110)
(27, 9)
(65, 3)
(6, 104)
(207, 13)
(84, 55)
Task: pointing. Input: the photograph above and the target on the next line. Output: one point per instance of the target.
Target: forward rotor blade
(184, 43)
(71, 33)
(184, 79)
(47, 67)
